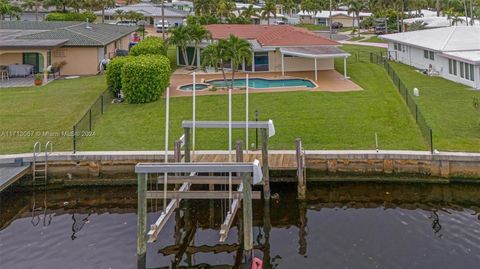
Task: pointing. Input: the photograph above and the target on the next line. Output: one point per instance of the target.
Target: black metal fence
(359, 57)
(84, 126)
(425, 129)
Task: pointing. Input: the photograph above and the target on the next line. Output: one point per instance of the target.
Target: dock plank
(10, 174)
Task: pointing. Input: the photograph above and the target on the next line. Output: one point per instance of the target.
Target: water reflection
(340, 225)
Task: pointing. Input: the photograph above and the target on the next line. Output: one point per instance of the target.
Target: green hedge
(59, 16)
(150, 45)
(114, 73)
(145, 77)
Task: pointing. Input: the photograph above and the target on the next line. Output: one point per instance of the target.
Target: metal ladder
(40, 168)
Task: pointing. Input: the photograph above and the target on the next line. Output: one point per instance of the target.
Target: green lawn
(356, 38)
(172, 55)
(323, 120)
(374, 39)
(448, 109)
(39, 113)
(314, 27)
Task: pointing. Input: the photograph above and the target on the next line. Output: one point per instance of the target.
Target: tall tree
(225, 8)
(180, 37)
(197, 33)
(238, 51)
(355, 7)
(268, 10)
(9, 10)
(249, 12)
(32, 5)
(215, 56)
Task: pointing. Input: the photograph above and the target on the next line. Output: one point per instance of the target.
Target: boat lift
(243, 171)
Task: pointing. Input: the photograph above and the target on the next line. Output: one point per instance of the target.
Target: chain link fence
(84, 126)
(426, 130)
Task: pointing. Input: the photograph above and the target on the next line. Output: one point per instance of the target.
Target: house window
(472, 77)
(425, 54)
(467, 71)
(432, 56)
(60, 53)
(461, 70)
(454, 64)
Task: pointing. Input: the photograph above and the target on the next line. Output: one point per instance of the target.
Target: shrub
(145, 77)
(114, 73)
(58, 16)
(150, 45)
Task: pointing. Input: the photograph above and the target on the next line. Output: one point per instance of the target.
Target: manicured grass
(356, 38)
(42, 113)
(324, 120)
(172, 56)
(448, 109)
(374, 39)
(314, 27)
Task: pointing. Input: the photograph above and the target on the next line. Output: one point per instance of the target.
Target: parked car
(126, 23)
(337, 25)
(162, 28)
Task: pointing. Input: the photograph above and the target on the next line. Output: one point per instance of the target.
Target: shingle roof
(76, 33)
(270, 35)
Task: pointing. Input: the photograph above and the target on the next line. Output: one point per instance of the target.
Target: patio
(20, 82)
(327, 81)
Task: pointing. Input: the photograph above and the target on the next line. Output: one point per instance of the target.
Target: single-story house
(450, 52)
(437, 22)
(323, 17)
(276, 48)
(80, 45)
(151, 12)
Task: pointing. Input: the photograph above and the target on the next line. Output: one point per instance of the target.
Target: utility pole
(163, 19)
(330, 19)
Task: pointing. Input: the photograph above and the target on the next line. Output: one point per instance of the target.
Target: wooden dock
(10, 174)
(277, 161)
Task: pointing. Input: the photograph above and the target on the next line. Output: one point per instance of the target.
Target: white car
(162, 27)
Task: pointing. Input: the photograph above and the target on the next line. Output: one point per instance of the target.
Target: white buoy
(416, 92)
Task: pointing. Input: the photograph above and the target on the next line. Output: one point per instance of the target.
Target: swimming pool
(198, 87)
(261, 83)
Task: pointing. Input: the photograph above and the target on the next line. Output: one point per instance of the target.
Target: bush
(145, 77)
(58, 16)
(150, 45)
(114, 73)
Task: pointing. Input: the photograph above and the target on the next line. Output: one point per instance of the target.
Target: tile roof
(270, 35)
(75, 33)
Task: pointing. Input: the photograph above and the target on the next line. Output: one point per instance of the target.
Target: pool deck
(328, 81)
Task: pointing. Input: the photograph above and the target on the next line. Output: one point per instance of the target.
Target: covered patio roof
(9, 40)
(315, 52)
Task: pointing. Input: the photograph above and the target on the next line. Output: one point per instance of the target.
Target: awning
(315, 52)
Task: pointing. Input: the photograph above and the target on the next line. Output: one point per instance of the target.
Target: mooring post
(239, 151)
(267, 227)
(177, 151)
(302, 186)
(247, 220)
(302, 232)
(265, 169)
(187, 144)
(142, 221)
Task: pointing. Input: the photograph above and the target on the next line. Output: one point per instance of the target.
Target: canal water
(341, 225)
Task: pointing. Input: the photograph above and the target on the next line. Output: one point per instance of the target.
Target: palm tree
(180, 37)
(119, 14)
(32, 5)
(269, 9)
(249, 12)
(289, 6)
(100, 4)
(225, 8)
(238, 51)
(197, 33)
(9, 10)
(215, 56)
(355, 6)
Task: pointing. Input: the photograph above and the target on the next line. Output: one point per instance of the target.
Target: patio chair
(4, 72)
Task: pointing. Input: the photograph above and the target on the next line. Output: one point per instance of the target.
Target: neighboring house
(152, 13)
(323, 17)
(436, 22)
(277, 48)
(80, 45)
(451, 52)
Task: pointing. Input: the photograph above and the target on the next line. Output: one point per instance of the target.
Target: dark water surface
(340, 226)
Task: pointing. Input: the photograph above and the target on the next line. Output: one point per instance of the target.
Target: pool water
(260, 83)
(198, 87)
(342, 225)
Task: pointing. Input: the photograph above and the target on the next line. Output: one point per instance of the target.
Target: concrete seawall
(120, 164)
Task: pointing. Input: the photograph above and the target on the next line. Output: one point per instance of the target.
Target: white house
(323, 17)
(450, 52)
